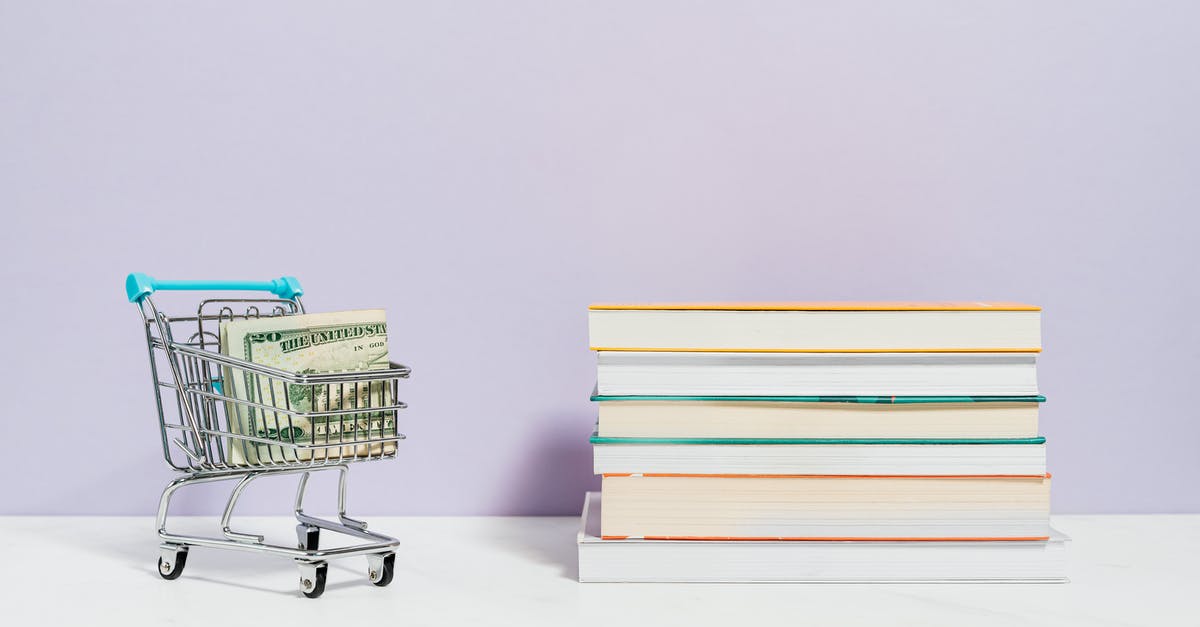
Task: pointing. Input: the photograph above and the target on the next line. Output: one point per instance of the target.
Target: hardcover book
(793, 507)
(776, 456)
(816, 326)
(936, 417)
(815, 374)
(630, 560)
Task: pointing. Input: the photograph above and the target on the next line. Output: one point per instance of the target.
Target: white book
(614, 457)
(799, 417)
(815, 374)
(832, 326)
(813, 561)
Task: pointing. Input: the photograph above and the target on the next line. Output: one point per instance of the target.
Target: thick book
(815, 374)
(816, 326)
(809, 507)
(944, 417)
(1038, 561)
(747, 456)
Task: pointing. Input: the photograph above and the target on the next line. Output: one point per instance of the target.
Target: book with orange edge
(768, 559)
(745, 507)
(762, 476)
(816, 326)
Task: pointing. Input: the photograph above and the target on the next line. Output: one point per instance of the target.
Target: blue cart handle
(139, 286)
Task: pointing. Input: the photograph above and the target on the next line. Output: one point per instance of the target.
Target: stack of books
(818, 442)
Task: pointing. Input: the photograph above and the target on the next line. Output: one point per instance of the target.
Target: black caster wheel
(309, 537)
(312, 580)
(388, 570)
(172, 567)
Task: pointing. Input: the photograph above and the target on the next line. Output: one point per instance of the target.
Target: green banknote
(333, 342)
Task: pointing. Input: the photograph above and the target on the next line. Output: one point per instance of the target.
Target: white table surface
(1125, 570)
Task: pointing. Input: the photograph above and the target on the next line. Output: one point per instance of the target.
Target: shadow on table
(239, 569)
(132, 543)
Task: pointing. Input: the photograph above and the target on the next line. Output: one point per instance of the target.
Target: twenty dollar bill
(307, 344)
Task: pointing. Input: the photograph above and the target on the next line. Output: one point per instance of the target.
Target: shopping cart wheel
(309, 537)
(171, 561)
(312, 579)
(381, 568)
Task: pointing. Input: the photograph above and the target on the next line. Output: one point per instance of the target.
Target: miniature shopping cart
(207, 431)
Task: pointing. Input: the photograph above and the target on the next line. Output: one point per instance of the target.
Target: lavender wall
(485, 169)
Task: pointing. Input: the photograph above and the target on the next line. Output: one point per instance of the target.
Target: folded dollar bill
(308, 344)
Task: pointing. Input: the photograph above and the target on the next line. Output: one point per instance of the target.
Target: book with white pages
(712, 561)
(817, 326)
(930, 508)
(698, 456)
(817, 374)
(941, 417)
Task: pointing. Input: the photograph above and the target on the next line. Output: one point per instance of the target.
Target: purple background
(484, 170)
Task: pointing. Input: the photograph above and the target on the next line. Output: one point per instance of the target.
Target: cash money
(307, 344)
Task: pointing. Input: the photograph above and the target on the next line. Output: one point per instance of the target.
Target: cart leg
(229, 505)
(346, 520)
(308, 537)
(164, 502)
(302, 489)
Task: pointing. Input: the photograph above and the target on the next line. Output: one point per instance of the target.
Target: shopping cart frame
(204, 429)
